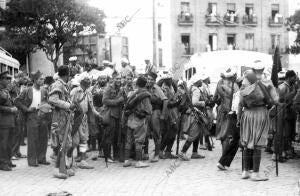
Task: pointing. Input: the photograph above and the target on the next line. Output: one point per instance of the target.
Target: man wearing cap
(286, 117)
(74, 67)
(125, 69)
(159, 110)
(139, 107)
(257, 95)
(97, 93)
(195, 128)
(170, 123)
(14, 90)
(113, 100)
(59, 97)
(222, 97)
(207, 98)
(83, 98)
(7, 123)
(29, 102)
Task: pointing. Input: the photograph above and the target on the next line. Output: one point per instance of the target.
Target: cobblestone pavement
(167, 177)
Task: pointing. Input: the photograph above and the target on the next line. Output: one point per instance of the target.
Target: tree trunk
(55, 65)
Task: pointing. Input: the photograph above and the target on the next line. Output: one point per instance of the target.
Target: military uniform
(137, 125)
(113, 99)
(14, 91)
(59, 97)
(170, 124)
(7, 125)
(154, 125)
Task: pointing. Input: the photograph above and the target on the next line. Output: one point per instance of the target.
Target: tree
(50, 24)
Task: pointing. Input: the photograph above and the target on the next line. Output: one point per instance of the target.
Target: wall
(39, 61)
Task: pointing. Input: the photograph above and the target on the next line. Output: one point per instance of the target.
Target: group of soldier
(118, 113)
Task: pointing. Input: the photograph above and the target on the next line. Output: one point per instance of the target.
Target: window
(212, 9)
(231, 8)
(160, 57)
(275, 10)
(185, 41)
(159, 32)
(231, 41)
(3, 67)
(213, 42)
(249, 41)
(275, 41)
(125, 51)
(249, 9)
(15, 71)
(185, 7)
(10, 70)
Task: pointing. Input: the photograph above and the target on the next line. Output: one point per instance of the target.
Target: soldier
(125, 69)
(97, 93)
(59, 97)
(83, 99)
(14, 90)
(113, 100)
(74, 67)
(286, 117)
(140, 108)
(195, 128)
(257, 93)
(30, 102)
(207, 98)
(170, 123)
(159, 109)
(7, 124)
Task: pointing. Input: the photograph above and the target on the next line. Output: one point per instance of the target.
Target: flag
(277, 67)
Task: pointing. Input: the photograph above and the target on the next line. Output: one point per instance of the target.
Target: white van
(216, 62)
(8, 63)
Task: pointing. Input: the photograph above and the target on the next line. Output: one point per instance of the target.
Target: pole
(154, 34)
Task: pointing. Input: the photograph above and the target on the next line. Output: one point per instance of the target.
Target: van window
(10, 70)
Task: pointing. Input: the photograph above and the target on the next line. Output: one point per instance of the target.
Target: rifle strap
(231, 95)
(265, 92)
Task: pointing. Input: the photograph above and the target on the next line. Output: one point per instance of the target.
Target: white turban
(73, 58)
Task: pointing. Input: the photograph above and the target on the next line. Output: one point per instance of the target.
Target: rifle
(62, 150)
(178, 135)
(122, 127)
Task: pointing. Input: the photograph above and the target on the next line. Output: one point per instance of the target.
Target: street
(167, 177)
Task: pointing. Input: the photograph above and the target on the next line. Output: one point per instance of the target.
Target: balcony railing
(276, 21)
(212, 20)
(231, 21)
(188, 52)
(250, 20)
(185, 19)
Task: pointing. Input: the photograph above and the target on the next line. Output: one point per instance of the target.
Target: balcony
(188, 52)
(185, 19)
(231, 21)
(250, 20)
(212, 20)
(276, 21)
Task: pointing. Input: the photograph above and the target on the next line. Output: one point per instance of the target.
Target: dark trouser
(6, 140)
(251, 159)
(196, 145)
(168, 136)
(18, 135)
(110, 138)
(229, 151)
(37, 135)
(154, 123)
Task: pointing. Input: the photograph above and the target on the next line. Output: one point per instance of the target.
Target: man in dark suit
(7, 124)
(32, 102)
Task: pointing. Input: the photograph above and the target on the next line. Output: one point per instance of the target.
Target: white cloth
(36, 98)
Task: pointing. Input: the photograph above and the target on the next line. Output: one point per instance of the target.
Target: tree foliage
(50, 24)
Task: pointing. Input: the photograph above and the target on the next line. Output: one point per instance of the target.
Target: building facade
(206, 25)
